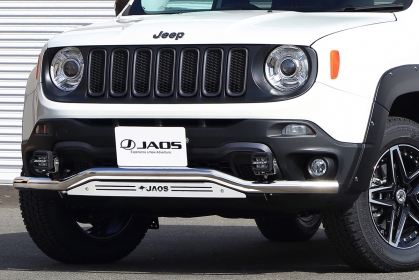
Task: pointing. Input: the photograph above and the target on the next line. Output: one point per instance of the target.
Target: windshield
(141, 7)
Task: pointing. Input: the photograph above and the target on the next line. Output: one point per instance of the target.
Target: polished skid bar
(175, 175)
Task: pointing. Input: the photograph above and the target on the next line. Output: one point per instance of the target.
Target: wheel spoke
(382, 189)
(382, 202)
(398, 165)
(393, 217)
(392, 167)
(413, 217)
(403, 215)
(415, 191)
(414, 176)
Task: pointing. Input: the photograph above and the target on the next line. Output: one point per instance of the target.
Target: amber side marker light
(334, 64)
(37, 67)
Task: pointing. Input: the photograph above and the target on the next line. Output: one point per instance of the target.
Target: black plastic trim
(112, 69)
(393, 84)
(254, 94)
(233, 94)
(160, 94)
(134, 92)
(204, 74)
(181, 93)
(104, 73)
(370, 149)
(396, 82)
(292, 153)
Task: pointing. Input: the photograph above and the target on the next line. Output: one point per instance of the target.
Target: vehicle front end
(243, 110)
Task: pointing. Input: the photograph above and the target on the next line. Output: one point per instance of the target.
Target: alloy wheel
(393, 196)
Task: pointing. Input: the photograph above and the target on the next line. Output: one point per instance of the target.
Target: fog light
(318, 167)
(297, 129)
(262, 163)
(45, 162)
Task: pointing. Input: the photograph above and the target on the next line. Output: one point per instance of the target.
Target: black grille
(189, 72)
(247, 173)
(97, 72)
(119, 72)
(236, 75)
(213, 72)
(142, 73)
(156, 73)
(165, 72)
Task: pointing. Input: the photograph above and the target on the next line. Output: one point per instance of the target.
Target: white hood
(219, 27)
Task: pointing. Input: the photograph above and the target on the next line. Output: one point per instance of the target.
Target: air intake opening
(97, 66)
(213, 68)
(119, 73)
(165, 72)
(236, 72)
(189, 68)
(142, 72)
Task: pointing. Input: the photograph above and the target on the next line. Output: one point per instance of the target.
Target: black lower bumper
(223, 145)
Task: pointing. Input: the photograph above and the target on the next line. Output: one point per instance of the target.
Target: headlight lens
(67, 69)
(286, 68)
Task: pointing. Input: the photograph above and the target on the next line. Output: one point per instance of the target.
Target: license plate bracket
(151, 146)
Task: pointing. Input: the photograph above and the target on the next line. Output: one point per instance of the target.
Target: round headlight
(67, 69)
(286, 68)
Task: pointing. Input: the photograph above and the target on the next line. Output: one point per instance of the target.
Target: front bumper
(214, 183)
(223, 145)
(169, 182)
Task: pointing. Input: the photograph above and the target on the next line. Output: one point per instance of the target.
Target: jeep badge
(172, 35)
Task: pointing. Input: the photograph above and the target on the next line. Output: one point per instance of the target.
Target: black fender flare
(397, 82)
(393, 83)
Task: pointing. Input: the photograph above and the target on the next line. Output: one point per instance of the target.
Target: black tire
(294, 228)
(379, 232)
(55, 231)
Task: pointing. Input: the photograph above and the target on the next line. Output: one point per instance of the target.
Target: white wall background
(25, 26)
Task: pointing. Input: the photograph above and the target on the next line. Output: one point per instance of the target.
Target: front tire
(295, 228)
(380, 232)
(56, 231)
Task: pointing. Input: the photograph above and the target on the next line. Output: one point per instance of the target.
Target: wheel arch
(397, 87)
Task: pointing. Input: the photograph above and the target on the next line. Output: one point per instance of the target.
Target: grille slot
(212, 77)
(142, 72)
(188, 76)
(97, 66)
(236, 72)
(119, 73)
(165, 72)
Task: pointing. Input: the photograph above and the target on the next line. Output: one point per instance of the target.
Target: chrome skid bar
(128, 177)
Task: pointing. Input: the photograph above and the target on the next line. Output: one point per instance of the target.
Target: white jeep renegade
(289, 112)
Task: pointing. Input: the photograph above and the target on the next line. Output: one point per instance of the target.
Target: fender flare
(396, 82)
(393, 83)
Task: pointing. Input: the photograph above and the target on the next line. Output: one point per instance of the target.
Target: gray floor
(199, 248)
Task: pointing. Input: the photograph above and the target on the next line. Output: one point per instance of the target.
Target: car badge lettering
(154, 188)
(160, 145)
(128, 144)
(172, 35)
